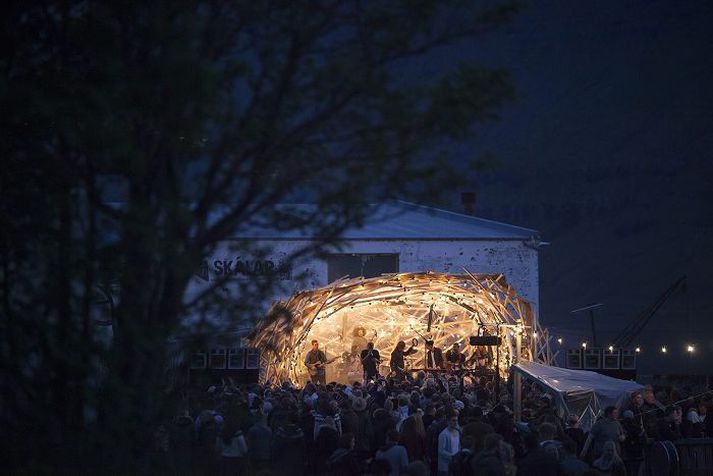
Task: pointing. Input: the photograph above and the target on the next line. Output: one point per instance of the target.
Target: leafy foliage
(200, 117)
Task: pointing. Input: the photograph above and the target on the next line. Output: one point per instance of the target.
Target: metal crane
(632, 331)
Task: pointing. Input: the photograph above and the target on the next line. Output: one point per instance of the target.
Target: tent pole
(517, 382)
(497, 367)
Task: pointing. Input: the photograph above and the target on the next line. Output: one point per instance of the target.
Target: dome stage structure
(345, 315)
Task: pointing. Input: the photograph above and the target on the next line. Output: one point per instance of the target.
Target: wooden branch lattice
(390, 308)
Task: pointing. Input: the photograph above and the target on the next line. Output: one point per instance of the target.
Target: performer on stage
(359, 339)
(434, 356)
(454, 357)
(316, 362)
(397, 358)
(370, 360)
(480, 356)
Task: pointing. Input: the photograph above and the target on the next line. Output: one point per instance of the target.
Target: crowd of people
(431, 425)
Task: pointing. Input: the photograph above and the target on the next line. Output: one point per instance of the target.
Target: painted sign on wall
(243, 268)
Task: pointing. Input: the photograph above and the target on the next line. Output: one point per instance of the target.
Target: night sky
(607, 151)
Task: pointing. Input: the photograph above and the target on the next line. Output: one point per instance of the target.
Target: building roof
(408, 221)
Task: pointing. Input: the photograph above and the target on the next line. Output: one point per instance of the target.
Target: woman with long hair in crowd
(413, 437)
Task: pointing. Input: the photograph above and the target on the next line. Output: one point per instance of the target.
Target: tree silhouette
(199, 118)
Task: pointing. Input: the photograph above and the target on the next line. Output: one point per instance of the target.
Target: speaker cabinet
(611, 359)
(628, 359)
(252, 360)
(574, 358)
(485, 340)
(592, 359)
(236, 358)
(217, 359)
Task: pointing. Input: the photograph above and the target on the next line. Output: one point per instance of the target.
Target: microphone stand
(425, 350)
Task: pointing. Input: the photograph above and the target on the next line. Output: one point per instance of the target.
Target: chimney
(467, 200)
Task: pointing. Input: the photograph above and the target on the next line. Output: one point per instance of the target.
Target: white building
(401, 237)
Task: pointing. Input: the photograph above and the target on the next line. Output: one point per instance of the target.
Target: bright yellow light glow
(584, 345)
(690, 348)
(638, 349)
(663, 349)
(559, 340)
(611, 348)
(347, 314)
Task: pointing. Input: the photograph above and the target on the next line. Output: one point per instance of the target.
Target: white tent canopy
(581, 392)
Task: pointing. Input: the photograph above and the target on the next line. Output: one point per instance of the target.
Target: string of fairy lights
(689, 348)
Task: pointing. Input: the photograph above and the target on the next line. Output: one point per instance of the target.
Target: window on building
(367, 265)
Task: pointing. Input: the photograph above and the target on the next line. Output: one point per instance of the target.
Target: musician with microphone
(370, 360)
(434, 356)
(397, 357)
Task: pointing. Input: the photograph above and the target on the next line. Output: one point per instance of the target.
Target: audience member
(570, 465)
(413, 437)
(259, 443)
(292, 431)
(609, 463)
(448, 443)
(605, 429)
(477, 428)
(489, 461)
(394, 453)
(537, 461)
(343, 461)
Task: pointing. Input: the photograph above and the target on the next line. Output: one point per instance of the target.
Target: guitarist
(316, 362)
